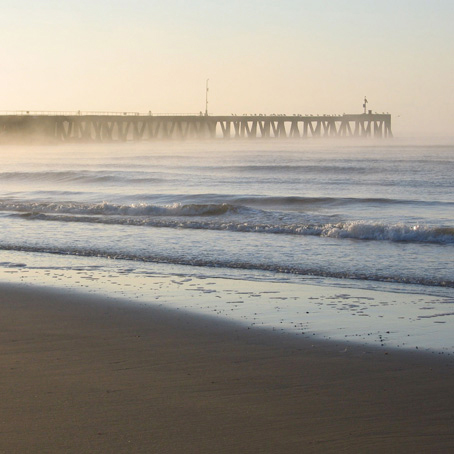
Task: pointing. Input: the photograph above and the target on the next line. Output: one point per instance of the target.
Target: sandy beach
(87, 374)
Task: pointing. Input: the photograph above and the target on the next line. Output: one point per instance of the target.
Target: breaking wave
(353, 230)
(237, 216)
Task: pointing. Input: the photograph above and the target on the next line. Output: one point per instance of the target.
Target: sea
(346, 241)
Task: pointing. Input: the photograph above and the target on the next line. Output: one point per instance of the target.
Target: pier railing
(88, 112)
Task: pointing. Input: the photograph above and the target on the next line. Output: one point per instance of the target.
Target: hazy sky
(261, 56)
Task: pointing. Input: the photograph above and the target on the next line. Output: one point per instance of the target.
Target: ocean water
(364, 217)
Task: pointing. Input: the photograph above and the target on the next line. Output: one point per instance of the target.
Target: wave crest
(89, 177)
(110, 209)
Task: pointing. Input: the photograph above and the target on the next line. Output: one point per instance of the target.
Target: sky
(260, 56)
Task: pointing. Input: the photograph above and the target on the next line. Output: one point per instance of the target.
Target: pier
(104, 127)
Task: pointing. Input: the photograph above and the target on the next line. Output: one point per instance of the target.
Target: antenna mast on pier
(206, 99)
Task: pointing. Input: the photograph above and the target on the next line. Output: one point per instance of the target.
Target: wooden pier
(105, 127)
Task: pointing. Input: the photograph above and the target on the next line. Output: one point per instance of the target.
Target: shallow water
(372, 217)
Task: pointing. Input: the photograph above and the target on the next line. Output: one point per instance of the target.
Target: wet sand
(89, 374)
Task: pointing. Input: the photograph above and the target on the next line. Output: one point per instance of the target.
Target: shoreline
(383, 317)
(85, 373)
